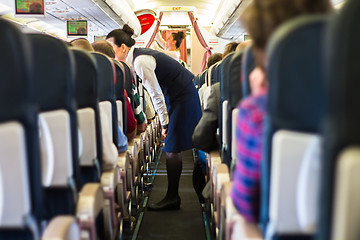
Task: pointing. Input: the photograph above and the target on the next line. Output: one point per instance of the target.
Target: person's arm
(145, 66)
(204, 135)
(246, 177)
(160, 40)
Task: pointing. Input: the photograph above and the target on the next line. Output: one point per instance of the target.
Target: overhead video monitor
(29, 7)
(77, 28)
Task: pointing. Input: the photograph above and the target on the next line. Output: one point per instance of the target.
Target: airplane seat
(235, 95)
(202, 79)
(120, 96)
(294, 116)
(248, 66)
(224, 101)
(88, 116)
(341, 127)
(21, 204)
(128, 81)
(70, 231)
(346, 211)
(90, 212)
(106, 91)
(54, 85)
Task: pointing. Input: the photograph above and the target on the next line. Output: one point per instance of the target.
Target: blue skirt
(184, 114)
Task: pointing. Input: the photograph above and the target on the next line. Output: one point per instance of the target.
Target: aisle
(186, 223)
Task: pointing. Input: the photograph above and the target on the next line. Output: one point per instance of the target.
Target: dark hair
(214, 58)
(104, 47)
(122, 36)
(229, 48)
(178, 37)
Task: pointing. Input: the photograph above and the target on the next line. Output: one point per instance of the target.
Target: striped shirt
(249, 144)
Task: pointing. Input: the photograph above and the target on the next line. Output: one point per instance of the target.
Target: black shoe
(165, 205)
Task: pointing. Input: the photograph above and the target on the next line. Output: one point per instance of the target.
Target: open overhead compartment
(227, 24)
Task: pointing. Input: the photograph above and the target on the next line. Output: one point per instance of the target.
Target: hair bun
(181, 34)
(127, 29)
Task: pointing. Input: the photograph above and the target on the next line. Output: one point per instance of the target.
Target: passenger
(171, 46)
(82, 43)
(161, 76)
(261, 18)
(204, 135)
(214, 58)
(229, 48)
(110, 152)
(36, 7)
(106, 48)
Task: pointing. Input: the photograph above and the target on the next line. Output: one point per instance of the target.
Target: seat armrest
(62, 227)
(91, 201)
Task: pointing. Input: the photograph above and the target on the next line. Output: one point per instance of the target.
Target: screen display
(77, 28)
(29, 7)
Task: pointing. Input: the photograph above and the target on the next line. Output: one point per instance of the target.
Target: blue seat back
(119, 91)
(106, 88)
(235, 94)
(341, 126)
(223, 69)
(54, 82)
(86, 83)
(18, 103)
(296, 87)
(248, 66)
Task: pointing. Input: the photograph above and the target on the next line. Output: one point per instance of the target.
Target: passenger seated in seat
(260, 19)
(106, 48)
(82, 43)
(110, 151)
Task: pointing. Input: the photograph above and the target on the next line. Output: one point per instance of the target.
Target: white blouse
(144, 66)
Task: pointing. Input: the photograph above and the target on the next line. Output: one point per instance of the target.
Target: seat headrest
(54, 78)
(119, 85)
(247, 67)
(85, 79)
(16, 78)
(235, 88)
(106, 77)
(295, 74)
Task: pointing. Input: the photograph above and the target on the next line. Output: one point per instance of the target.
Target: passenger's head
(229, 48)
(214, 58)
(174, 40)
(35, 7)
(82, 43)
(241, 46)
(104, 47)
(122, 41)
(262, 17)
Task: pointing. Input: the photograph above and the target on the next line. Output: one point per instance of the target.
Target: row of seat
(308, 182)
(55, 102)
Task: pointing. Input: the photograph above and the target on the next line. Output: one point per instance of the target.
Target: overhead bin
(227, 24)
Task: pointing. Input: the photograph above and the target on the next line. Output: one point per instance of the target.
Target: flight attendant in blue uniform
(175, 100)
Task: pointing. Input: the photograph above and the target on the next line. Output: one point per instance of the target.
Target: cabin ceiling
(205, 9)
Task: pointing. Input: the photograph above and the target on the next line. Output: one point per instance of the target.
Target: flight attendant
(175, 100)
